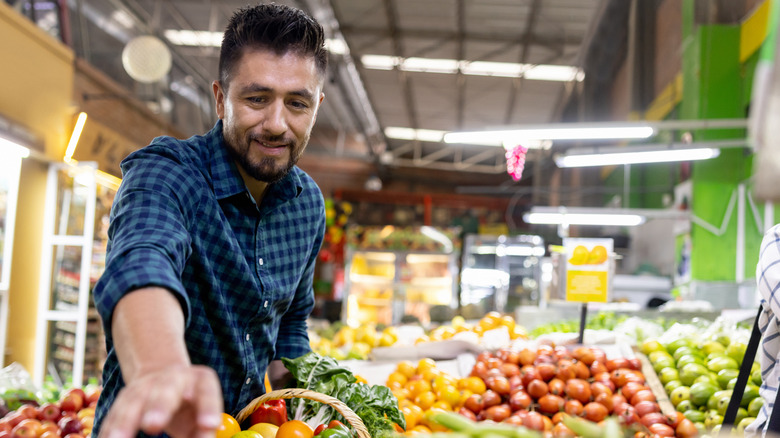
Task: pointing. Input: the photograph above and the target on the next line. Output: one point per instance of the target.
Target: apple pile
(535, 388)
(69, 417)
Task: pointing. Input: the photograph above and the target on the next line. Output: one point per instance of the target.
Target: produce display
(698, 373)
(71, 416)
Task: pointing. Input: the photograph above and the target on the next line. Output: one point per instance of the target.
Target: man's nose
(276, 122)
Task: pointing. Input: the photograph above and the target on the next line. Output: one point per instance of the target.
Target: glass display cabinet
(70, 343)
(10, 169)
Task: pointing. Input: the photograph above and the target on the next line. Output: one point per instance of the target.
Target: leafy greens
(375, 405)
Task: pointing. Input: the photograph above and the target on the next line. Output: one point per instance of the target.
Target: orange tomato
(294, 429)
(229, 426)
(407, 368)
(425, 400)
(473, 384)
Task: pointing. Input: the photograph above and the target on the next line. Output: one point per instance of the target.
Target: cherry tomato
(335, 423)
(294, 429)
(319, 429)
(229, 426)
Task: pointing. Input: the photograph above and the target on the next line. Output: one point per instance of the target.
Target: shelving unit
(70, 340)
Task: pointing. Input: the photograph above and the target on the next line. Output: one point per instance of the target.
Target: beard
(267, 169)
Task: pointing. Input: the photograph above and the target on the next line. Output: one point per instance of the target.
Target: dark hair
(279, 28)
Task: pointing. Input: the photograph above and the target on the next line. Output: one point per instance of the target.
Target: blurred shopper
(768, 354)
(213, 241)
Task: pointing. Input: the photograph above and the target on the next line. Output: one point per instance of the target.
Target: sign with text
(587, 269)
(104, 145)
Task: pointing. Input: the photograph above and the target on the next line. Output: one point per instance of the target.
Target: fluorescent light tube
(636, 157)
(517, 136)
(74, 137)
(625, 220)
(12, 149)
(402, 133)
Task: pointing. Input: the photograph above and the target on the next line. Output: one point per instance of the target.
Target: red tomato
(335, 423)
(537, 388)
(578, 389)
(595, 412)
(550, 404)
(319, 429)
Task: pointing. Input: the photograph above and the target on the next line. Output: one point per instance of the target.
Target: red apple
(13, 419)
(5, 434)
(72, 400)
(49, 412)
(5, 426)
(70, 425)
(49, 434)
(26, 429)
(28, 411)
(48, 426)
(92, 396)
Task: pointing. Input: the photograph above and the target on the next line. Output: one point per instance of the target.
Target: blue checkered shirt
(768, 283)
(184, 220)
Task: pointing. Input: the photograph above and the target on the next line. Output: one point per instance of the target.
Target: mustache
(270, 139)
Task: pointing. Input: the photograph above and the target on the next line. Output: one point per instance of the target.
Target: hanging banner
(587, 269)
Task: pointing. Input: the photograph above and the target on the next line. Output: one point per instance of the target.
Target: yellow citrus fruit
(579, 255)
(417, 387)
(267, 430)
(449, 394)
(598, 255)
(395, 376)
(425, 364)
(473, 384)
(425, 400)
(229, 426)
(407, 368)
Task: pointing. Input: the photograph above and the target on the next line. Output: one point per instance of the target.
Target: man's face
(268, 111)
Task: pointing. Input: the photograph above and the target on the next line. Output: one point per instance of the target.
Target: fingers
(171, 401)
(207, 400)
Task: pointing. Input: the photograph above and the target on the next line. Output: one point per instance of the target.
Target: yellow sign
(587, 269)
(104, 145)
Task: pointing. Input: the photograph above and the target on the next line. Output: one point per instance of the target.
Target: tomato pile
(535, 388)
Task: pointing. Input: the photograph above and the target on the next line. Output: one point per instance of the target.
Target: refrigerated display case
(396, 274)
(70, 343)
(500, 273)
(10, 169)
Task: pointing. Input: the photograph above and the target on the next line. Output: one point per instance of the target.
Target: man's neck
(256, 187)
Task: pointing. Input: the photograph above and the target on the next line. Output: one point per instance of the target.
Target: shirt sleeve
(148, 238)
(293, 339)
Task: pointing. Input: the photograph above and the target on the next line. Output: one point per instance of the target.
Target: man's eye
(299, 104)
(256, 99)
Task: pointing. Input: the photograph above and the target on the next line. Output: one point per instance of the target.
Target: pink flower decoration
(515, 161)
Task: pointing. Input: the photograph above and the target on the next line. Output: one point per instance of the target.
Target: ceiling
(361, 103)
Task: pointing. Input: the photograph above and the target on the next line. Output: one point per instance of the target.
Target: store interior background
(641, 60)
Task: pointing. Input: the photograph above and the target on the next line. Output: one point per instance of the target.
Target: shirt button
(248, 379)
(247, 336)
(265, 304)
(260, 262)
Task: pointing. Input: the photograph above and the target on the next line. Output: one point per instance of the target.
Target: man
(213, 240)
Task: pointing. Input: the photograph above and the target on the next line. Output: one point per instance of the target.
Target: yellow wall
(36, 89)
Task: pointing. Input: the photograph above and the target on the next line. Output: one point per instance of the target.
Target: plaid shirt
(184, 220)
(768, 282)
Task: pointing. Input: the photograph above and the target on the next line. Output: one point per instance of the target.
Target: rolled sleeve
(148, 238)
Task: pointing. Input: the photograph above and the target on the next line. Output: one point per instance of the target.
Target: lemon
(267, 430)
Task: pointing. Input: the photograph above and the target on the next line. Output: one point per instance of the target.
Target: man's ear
(219, 98)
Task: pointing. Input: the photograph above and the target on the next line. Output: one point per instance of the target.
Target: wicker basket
(333, 402)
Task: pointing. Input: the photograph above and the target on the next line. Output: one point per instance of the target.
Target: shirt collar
(228, 182)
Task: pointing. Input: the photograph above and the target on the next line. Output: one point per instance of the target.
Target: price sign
(587, 269)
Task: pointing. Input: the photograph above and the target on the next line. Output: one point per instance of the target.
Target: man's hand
(182, 402)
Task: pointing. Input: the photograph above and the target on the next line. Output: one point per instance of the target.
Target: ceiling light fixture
(206, 38)
(541, 72)
(562, 131)
(10, 148)
(625, 217)
(74, 137)
(635, 157)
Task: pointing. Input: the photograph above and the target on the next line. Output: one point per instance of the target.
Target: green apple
(679, 395)
(744, 423)
(684, 351)
(701, 392)
(668, 374)
(712, 347)
(725, 375)
(663, 362)
(655, 355)
(685, 406)
(722, 363)
(672, 385)
(713, 419)
(714, 401)
(755, 377)
(690, 358)
(751, 392)
(650, 345)
(754, 407)
(677, 343)
(694, 415)
(691, 371)
(736, 351)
